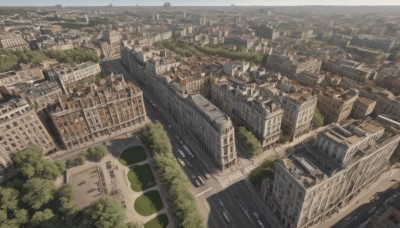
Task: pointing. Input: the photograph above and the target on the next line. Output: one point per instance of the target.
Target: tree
(3, 216)
(42, 216)
(249, 141)
(97, 153)
(38, 192)
(318, 119)
(61, 166)
(21, 216)
(66, 200)
(265, 170)
(106, 212)
(8, 199)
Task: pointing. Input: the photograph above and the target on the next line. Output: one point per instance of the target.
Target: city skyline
(202, 3)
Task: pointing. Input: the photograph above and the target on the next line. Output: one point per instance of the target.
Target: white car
(181, 162)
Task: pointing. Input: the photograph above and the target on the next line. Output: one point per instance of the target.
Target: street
(232, 206)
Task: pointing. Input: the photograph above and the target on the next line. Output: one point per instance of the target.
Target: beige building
(362, 107)
(67, 75)
(20, 127)
(292, 65)
(26, 75)
(386, 102)
(211, 129)
(298, 112)
(249, 106)
(13, 41)
(335, 104)
(315, 181)
(310, 79)
(97, 112)
(349, 69)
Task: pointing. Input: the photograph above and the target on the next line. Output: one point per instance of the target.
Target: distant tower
(202, 20)
(184, 14)
(158, 16)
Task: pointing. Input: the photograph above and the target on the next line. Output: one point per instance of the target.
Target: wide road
(363, 213)
(235, 199)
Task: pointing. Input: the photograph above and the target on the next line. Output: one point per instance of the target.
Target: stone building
(335, 104)
(249, 106)
(175, 94)
(362, 108)
(109, 108)
(315, 181)
(68, 75)
(19, 128)
(349, 69)
(110, 48)
(13, 42)
(266, 32)
(29, 75)
(298, 112)
(292, 65)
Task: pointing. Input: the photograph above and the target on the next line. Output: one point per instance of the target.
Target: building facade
(19, 128)
(98, 112)
(336, 105)
(248, 107)
(290, 66)
(314, 181)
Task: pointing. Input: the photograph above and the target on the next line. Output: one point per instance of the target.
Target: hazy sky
(192, 2)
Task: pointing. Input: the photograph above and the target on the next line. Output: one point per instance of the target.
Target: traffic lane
(361, 214)
(231, 204)
(216, 213)
(241, 189)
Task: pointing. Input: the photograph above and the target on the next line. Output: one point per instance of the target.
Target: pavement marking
(201, 193)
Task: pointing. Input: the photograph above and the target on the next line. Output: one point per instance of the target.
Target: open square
(90, 185)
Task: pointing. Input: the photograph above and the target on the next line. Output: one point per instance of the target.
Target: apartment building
(362, 108)
(336, 104)
(298, 112)
(13, 41)
(310, 79)
(111, 107)
(315, 181)
(246, 42)
(211, 129)
(29, 75)
(68, 75)
(266, 32)
(248, 106)
(372, 42)
(292, 65)
(110, 48)
(40, 95)
(20, 127)
(349, 69)
(386, 102)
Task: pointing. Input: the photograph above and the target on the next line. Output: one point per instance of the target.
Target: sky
(194, 3)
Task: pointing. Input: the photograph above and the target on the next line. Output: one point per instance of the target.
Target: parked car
(181, 162)
(201, 180)
(260, 223)
(387, 202)
(207, 176)
(372, 210)
(256, 215)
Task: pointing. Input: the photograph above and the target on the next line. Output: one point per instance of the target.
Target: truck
(188, 151)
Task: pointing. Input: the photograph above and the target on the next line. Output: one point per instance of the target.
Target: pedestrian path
(236, 176)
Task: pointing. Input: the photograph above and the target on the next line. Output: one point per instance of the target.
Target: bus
(188, 151)
(181, 153)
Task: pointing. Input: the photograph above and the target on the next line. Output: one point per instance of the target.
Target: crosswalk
(236, 176)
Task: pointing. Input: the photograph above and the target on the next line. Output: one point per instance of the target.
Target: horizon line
(234, 5)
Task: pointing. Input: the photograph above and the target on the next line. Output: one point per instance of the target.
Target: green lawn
(160, 221)
(148, 203)
(141, 178)
(132, 155)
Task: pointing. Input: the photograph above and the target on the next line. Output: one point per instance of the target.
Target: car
(181, 162)
(197, 183)
(387, 202)
(396, 195)
(347, 219)
(207, 176)
(189, 164)
(256, 215)
(372, 210)
(260, 223)
(201, 180)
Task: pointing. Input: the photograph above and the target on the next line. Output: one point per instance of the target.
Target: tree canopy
(106, 212)
(182, 201)
(265, 170)
(318, 119)
(249, 142)
(96, 153)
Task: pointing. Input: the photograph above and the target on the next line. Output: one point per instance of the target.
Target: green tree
(61, 166)
(21, 216)
(318, 119)
(265, 170)
(42, 216)
(8, 198)
(249, 141)
(38, 192)
(66, 200)
(3, 216)
(106, 212)
(97, 153)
